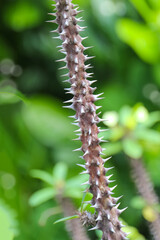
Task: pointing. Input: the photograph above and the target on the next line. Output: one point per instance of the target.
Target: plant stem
(87, 119)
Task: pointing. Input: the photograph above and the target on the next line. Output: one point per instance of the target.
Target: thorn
(65, 75)
(108, 177)
(106, 159)
(61, 60)
(63, 67)
(52, 14)
(117, 199)
(76, 124)
(122, 210)
(60, 46)
(51, 21)
(107, 169)
(81, 29)
(85, 172)
(112, 230)
(70, 106)
(108, 216)
(77, 139)
(102, 130)
(88, 58)
(91, 82)
(79, 19)
(67, 80)
(83, 38)
(57, 37)
(81, 165)
(74, 116)
(85, 183)
(99, 218)
(98, 173)
(99, 194)
(122, 225)
(62, 51)
(69, 101)
(101, 140)
(90, 130)
(78, 130)
(93, 89)
(86, 48)
(94, 228)
(117, 205)
(88, 66)
(78, 149)
(95, 205)
(112, 188)
(54, 31)
(86, 152)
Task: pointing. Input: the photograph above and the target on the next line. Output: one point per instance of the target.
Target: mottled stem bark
(87, 119)
(73, 226)
(146, 190)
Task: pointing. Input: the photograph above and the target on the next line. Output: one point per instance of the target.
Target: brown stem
(146, 190)
(73, 226)
(87, 120)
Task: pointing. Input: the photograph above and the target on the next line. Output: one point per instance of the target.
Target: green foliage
(22, 15)
(66, 219)
(8, 222)
(37, 162)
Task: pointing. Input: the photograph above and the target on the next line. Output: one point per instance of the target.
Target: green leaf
(47, 121)
(145, 11)
(42, 175)
(153, 118)
(7, 222)
(66, 219)
(112, 148)
(60, 172)
(132, 232)
(143, 40)
(10, 95)
(148, 135)
(132, 148)
(73, 188)
(41, 196)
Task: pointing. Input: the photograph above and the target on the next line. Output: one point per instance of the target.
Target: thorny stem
(146, 190)
(87, 119)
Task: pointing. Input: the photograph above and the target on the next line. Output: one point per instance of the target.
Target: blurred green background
(35, 131)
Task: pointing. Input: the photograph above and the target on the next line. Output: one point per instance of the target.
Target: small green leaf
(41, 196)
(112, 148)
(148, 135)
(132, 148)
(153, 118)
(60, 171)
(42, 175)
(66, 219)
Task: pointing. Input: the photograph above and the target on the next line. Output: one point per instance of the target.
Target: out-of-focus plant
(8, 222)
(143, 37)
(63, 190)
(131, 133)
